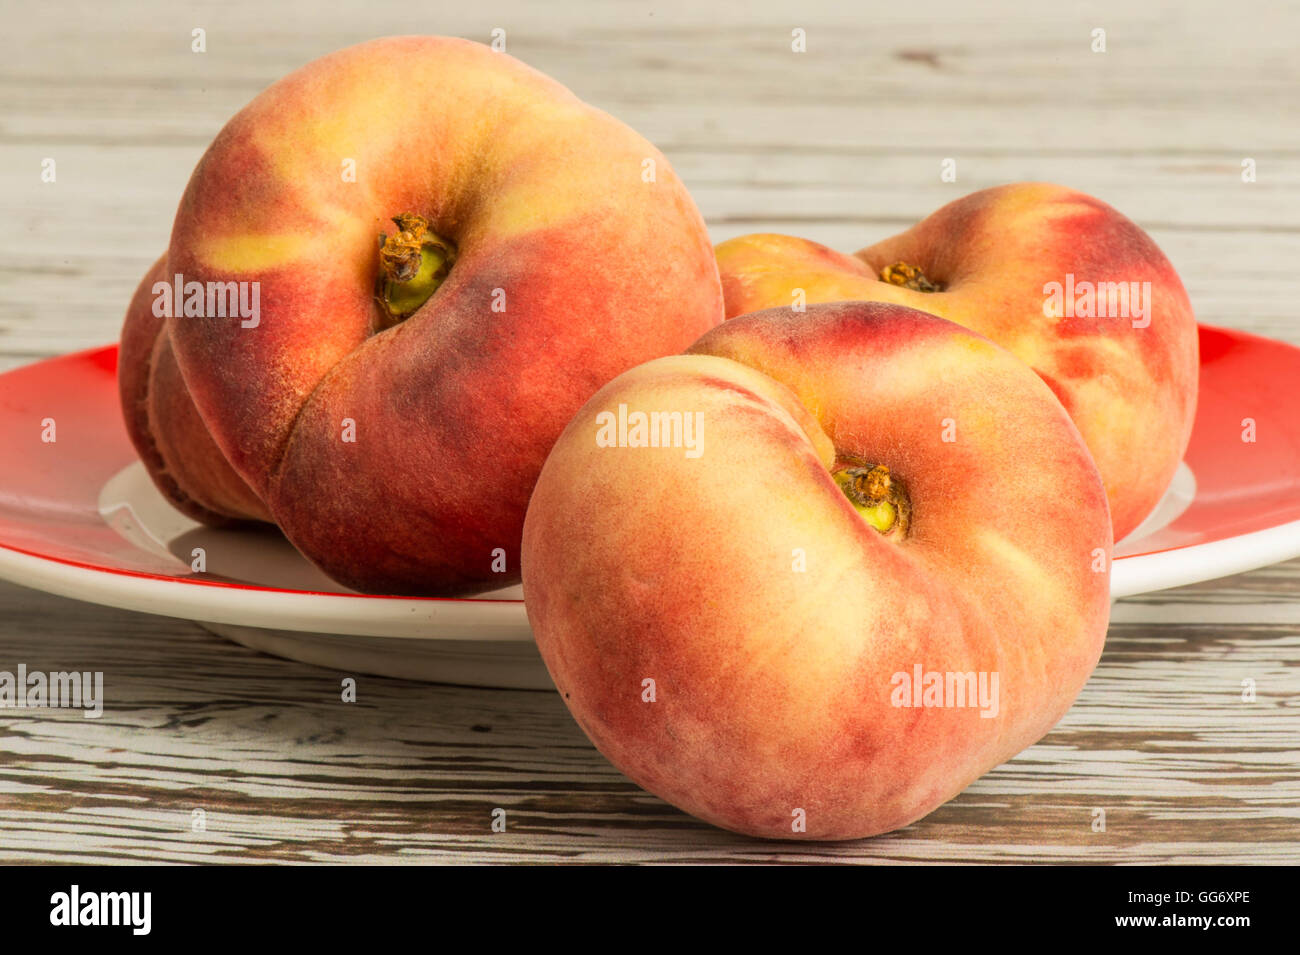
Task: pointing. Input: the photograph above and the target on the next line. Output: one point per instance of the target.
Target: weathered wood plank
(1159, 739)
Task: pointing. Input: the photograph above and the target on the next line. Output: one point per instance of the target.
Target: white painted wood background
(842, 144)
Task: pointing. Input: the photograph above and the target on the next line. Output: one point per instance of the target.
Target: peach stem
(413, 263)
(878, 496)
(908, 276)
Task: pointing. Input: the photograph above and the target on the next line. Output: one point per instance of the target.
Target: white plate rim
(434, 618)
(345, 614)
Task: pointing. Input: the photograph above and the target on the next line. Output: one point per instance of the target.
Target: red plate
(78, 517)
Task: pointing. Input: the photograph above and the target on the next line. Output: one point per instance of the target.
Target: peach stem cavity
(909, 276)
(413, 262)
(880, 497)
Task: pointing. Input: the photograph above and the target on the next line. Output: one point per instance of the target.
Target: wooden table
(844, 144)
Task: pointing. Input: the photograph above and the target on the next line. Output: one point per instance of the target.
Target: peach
(387, 393)
(1060, 279)
(814, 577)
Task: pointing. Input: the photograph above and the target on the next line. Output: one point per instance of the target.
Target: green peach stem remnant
(908, 276)
(878, 496)
(413, 263)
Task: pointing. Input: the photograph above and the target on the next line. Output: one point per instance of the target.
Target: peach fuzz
(1128, 381)
(543, 248)
(773, 609)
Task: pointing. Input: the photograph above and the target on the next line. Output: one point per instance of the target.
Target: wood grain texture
(841, 144)
(1159, 739)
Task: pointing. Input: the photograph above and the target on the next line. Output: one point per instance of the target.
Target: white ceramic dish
(79, 517)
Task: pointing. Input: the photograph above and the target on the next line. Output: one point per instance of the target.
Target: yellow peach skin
(391, 405)
(1061, 279)
(729, 628)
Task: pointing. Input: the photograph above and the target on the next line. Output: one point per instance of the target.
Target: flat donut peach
(812, 578)
(390, 406)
